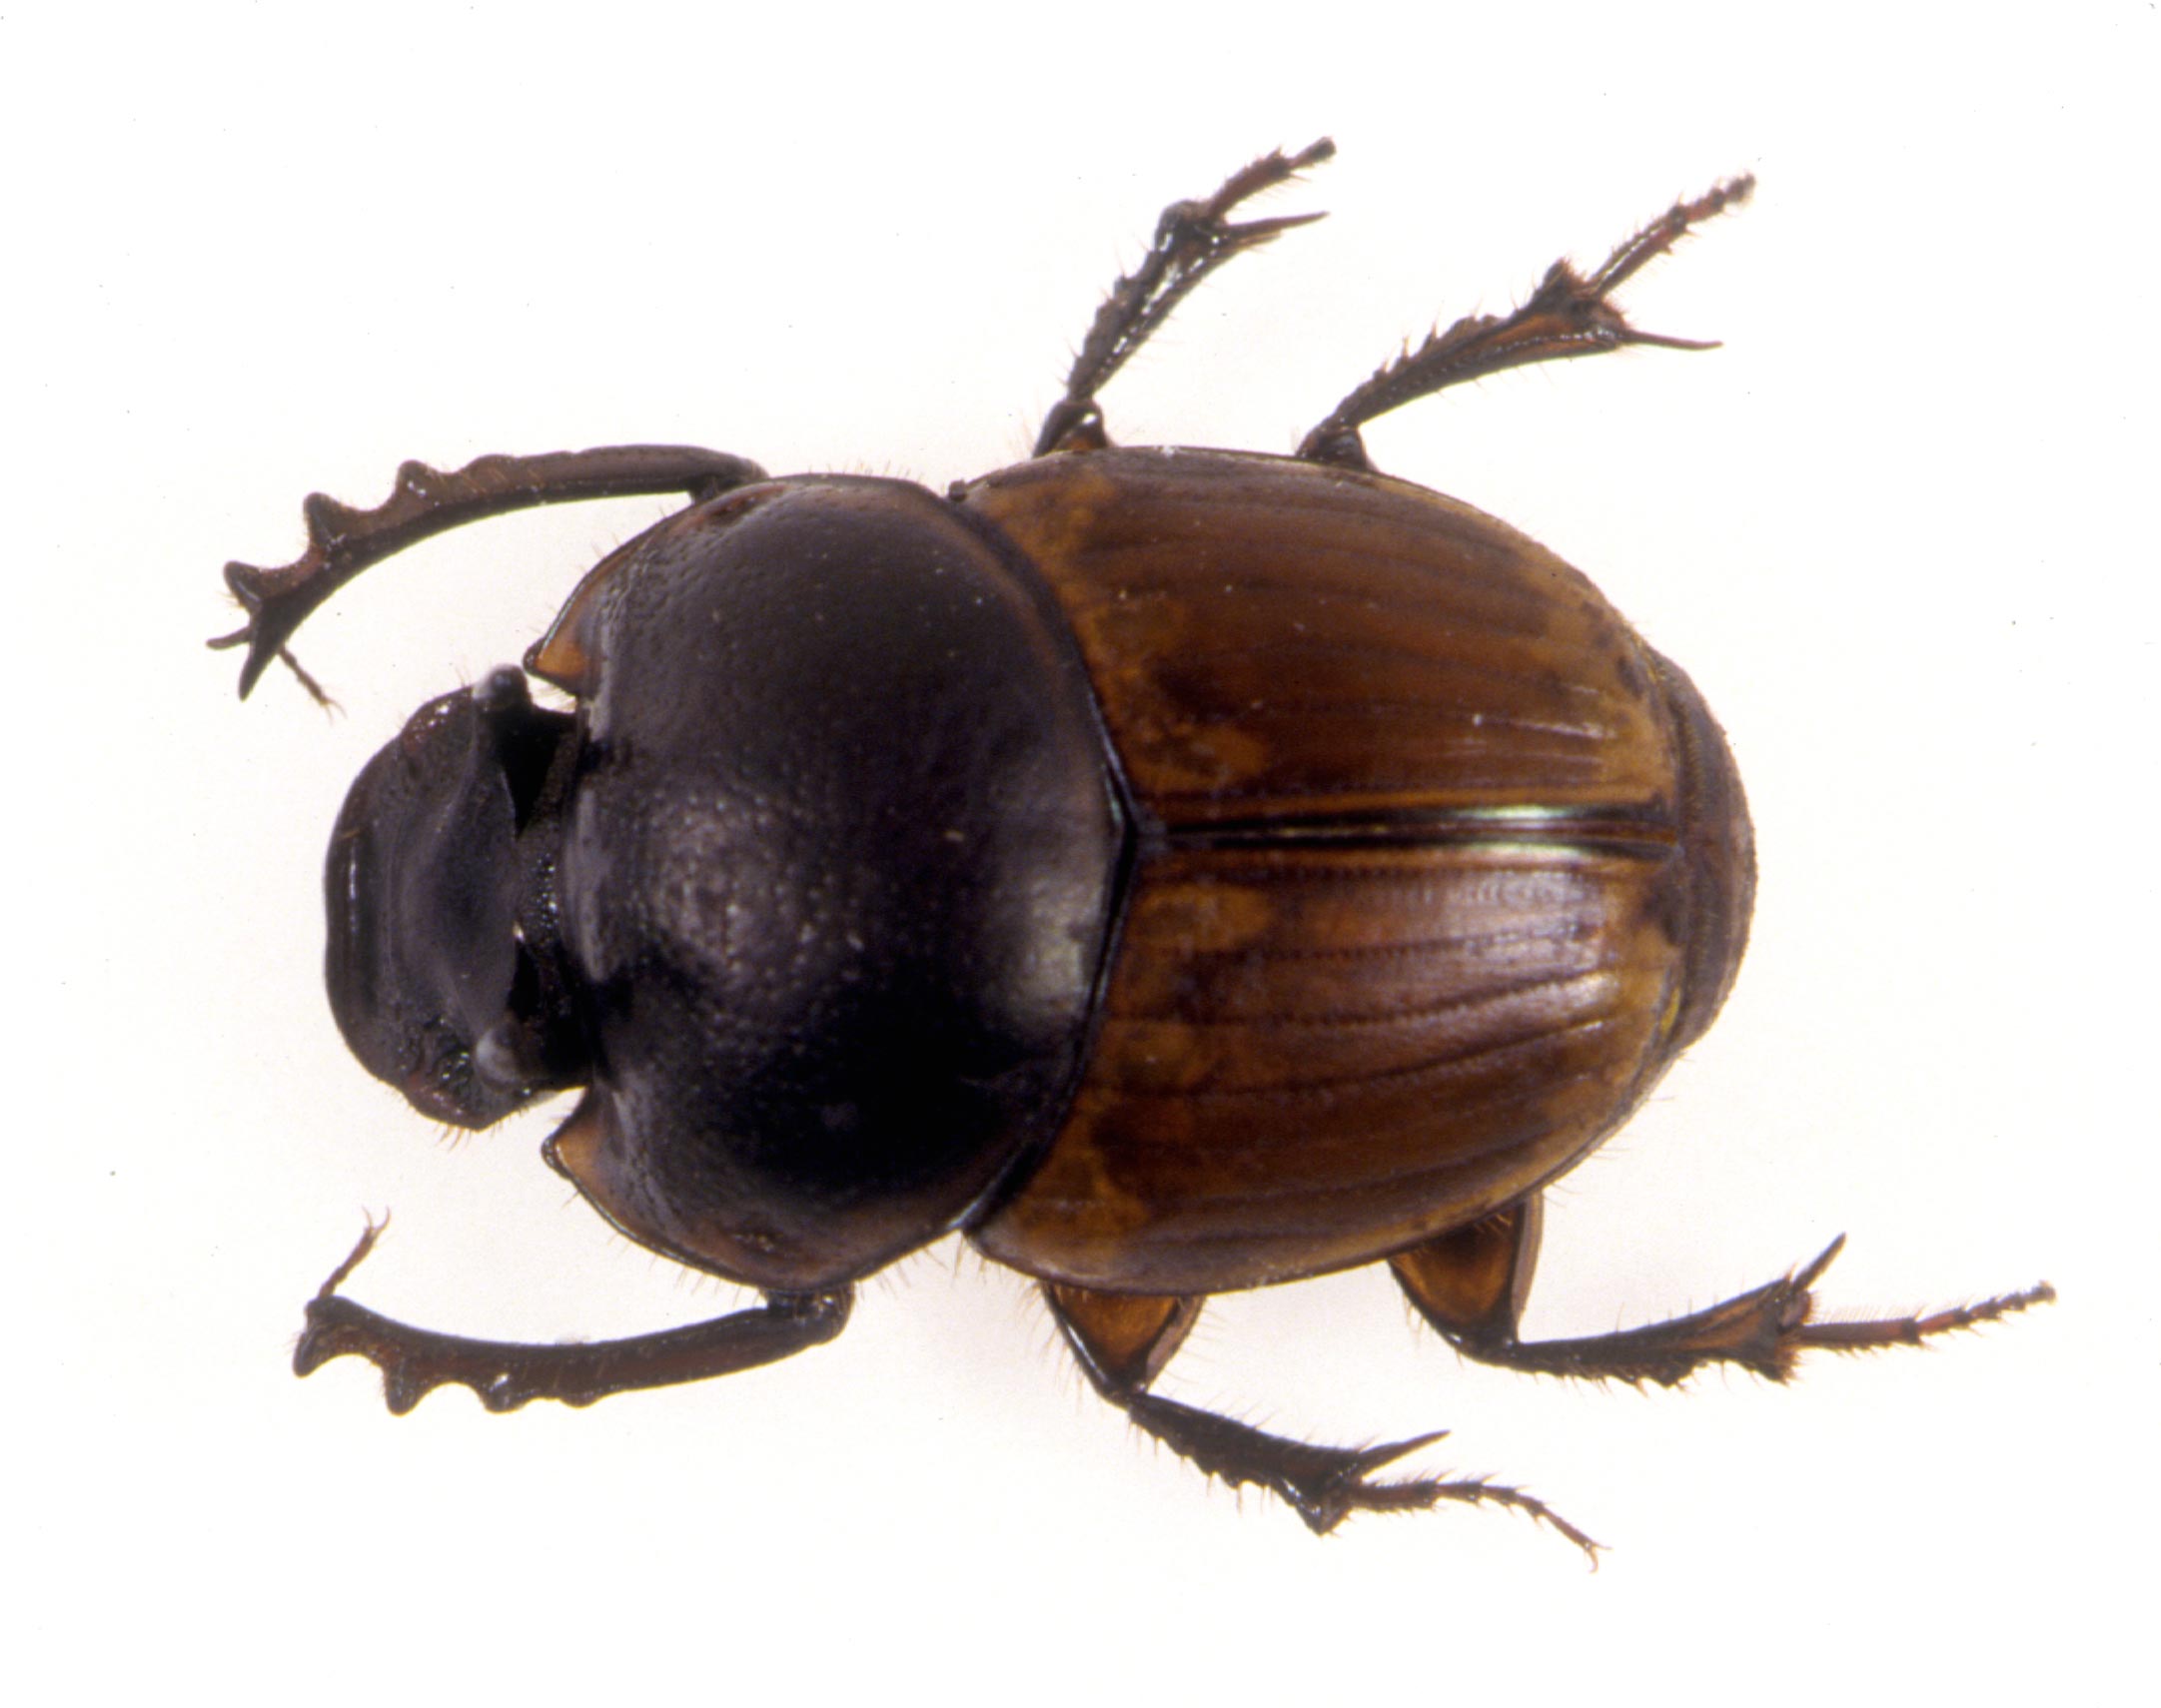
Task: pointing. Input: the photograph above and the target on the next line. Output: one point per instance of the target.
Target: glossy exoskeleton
(1179, 870)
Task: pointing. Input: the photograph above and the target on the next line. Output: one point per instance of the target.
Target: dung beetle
(1178, 870)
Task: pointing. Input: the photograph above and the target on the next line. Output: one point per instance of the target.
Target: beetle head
(438, 964)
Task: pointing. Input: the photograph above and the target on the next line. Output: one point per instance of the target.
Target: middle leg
(1193, 238)
(1124, 1340)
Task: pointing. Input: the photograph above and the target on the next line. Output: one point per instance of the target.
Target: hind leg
(1567, 314)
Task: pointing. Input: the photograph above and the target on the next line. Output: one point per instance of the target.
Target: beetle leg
(1470, 1285)
(1124, 1340)
(1567, 314)
(1193, 238)
(342, 542)
(505, 1374)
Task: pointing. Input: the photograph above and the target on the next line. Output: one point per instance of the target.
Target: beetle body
(1180, 870)
(1185, 870)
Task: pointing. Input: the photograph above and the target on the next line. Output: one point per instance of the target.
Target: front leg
(505, 1374)
(343, 542)
(1470, 1285)
(1124, 1340)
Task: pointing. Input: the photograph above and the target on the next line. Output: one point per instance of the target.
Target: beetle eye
(534, 1047)
(502, 1057)
(527, 741)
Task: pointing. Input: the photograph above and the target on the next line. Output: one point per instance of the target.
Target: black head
(435, 888)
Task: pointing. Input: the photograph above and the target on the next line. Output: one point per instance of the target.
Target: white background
(1898, 529)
